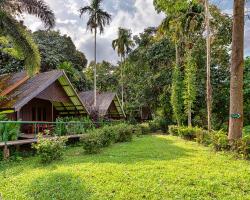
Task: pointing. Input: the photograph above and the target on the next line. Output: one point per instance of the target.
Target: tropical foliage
(17, 34)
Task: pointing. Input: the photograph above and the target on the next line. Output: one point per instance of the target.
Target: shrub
(245, 147)
(188, 133)
(158, 124)
(220, 141)
(73, 125)
(124, 132)
(173, 130)
(242, 146)
(92, 143)
(107, 136)
(8, 131)
(145, 128)
(137, 130)
(49, 149)
(246, 130)
(203, 137)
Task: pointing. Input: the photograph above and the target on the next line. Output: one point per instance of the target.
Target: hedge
(217, 139)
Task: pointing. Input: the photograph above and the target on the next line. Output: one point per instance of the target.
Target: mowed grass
(150, 167)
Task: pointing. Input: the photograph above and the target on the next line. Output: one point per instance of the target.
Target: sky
(132, 14)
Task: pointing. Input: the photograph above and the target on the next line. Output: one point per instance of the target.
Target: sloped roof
(32, 87)
(9, 79)
(103, 102)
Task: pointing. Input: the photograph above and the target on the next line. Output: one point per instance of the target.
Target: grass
(151, 167)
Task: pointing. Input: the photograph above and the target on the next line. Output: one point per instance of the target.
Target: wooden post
(6, 152)
(52, 112)
(18, 115)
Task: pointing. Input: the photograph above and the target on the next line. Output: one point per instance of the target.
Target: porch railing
(13, 130)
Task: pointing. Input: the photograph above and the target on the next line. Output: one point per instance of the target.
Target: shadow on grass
(149, 148)
(54, 185)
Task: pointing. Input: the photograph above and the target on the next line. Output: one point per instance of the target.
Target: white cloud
(133, 14)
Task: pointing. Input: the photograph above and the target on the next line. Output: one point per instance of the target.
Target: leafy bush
(49, 149)
(92, 143)
(220, 141)
(245, 147)
(107, 136)
(137, 130)
(158, 124)
(188, 133)
(203, 137)
(124, 132)
(173, 130)
(242, 146)
(73, 125)
(8, 131)
(145, 128)
(246, 130)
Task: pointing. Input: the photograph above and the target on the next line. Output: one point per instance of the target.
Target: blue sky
(133, 14)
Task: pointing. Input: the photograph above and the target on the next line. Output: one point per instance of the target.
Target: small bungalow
(43, 97)
(107, 104)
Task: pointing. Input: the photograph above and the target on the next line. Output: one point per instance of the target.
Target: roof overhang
(76, 106)
(119, 106)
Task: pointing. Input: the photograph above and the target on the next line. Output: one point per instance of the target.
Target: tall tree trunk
(95, 70)
(177, 60)
(177, 65)
(209, 87)
(189, 115)
(236, 82)
(177, 54)
(122, 84)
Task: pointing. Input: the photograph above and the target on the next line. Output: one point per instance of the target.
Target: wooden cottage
(43, 97)
(107, 104)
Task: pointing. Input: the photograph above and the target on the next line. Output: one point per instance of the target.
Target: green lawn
(151, 167)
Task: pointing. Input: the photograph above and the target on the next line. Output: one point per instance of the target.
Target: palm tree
(98, 18)
(19, 36)
(236, 82)
(123, 44)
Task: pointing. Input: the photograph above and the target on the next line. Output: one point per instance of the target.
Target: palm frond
(91, 24)
(22, 42)
(124, 42)
(37, 8)
(114, 44)
(97, 17)
(102, 19)
(86, 9)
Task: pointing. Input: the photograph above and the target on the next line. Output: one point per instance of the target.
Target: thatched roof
(16, 97)
(103, 102)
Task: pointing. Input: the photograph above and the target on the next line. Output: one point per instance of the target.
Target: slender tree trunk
(189, 115)
(236, 82)
(122, 84)
(209, 86)
(177, 60)
(177, 54)
(95, 70)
